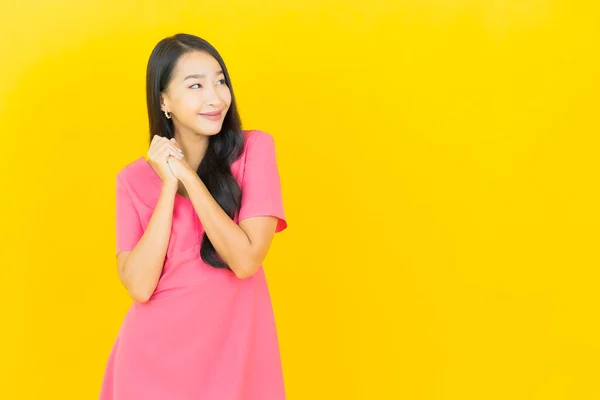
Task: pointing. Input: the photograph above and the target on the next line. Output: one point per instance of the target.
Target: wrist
(170, 186)
(188, 177)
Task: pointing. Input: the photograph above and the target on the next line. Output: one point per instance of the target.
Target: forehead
(196, 62)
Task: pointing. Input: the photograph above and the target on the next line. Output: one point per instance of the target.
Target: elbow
(246, 270)
(141, 295)
(242, 273)
(140, 299)
(137, 289)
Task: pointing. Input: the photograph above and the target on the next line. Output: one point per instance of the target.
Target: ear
(164, 102)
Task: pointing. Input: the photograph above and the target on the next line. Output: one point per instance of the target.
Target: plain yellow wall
(440, 171)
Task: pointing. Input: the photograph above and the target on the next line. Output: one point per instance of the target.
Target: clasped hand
(168, 159)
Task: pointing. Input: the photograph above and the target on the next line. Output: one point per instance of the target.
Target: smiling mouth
(214, 116)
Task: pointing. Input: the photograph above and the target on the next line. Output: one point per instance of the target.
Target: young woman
(194, 223)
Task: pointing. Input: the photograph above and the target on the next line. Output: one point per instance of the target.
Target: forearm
(229, 240)
(144, 265)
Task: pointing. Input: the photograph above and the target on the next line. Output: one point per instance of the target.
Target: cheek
(226, 96)
(188, 103)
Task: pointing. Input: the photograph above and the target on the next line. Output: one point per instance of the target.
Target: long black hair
(223, 148)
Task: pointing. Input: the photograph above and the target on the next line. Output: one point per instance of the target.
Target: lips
(213, 116)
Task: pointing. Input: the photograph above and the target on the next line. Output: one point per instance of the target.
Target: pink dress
(204, 334)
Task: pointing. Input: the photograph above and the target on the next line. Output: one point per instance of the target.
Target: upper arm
(121, 260)
(260, 232)
(261, 213)
(261, 186)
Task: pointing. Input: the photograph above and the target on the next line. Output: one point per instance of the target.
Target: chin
(209, 130)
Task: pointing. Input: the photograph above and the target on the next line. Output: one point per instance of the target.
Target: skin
(243, 247)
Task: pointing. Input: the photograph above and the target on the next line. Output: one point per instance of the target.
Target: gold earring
(167, 114)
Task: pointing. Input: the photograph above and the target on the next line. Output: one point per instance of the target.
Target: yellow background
(439, 161)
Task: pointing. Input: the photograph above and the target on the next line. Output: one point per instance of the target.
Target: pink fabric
(204, 333)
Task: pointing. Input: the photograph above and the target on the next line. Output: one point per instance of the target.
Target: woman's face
(198, 87)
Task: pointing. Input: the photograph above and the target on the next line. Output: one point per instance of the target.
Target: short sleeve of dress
(261, 186)
(128, 226)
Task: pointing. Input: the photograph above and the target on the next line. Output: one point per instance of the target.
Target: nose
(212, 98)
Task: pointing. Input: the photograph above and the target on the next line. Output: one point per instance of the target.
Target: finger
(151, 147)
(155, 145)
(168, 152)
(155, 140)
(176, 147)
(169, 144)
(174, 142)
(177, 154)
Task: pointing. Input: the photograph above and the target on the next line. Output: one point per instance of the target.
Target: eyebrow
(200, 76)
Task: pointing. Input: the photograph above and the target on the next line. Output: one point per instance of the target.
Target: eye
(195, 84)
(223, 80)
